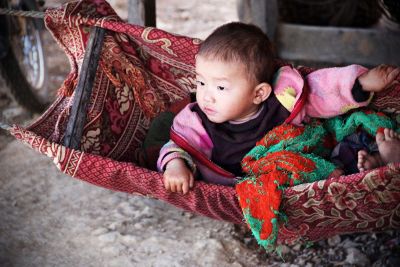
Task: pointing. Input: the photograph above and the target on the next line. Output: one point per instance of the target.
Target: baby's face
(224, 90)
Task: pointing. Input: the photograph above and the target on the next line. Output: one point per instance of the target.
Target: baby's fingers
(167, 184)
(188, 184)
(179, 188)
(172, 186)
(191, 181)
(185, 187)
(393, 73)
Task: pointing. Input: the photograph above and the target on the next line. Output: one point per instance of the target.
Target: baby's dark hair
(244, 43)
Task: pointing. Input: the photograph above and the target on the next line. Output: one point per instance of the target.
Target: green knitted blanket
(290, 155)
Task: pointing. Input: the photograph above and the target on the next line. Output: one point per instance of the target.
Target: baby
(236, 105)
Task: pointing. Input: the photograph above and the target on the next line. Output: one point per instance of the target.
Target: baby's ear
(263, 90)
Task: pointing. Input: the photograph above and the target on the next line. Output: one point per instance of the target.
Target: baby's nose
(208, 97)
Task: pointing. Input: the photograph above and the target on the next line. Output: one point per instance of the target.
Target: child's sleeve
(172, 151)
(334, 91)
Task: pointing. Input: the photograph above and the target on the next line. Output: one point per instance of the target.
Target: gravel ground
(49, 219)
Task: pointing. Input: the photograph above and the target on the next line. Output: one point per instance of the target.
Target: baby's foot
(388, 145)
(368, 161)
(389, 151)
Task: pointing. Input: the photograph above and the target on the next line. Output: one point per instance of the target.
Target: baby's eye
(220, 88)
(200, 83)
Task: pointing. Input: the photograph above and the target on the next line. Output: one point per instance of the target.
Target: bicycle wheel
(24, 67)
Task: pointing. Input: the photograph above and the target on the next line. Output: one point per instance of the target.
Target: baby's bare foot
(368, 161)
(388, 145)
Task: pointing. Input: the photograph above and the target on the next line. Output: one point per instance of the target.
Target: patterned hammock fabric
(144, 71)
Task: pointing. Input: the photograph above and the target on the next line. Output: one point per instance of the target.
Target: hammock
(144, 71)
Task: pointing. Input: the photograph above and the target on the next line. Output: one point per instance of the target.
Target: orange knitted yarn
(263, 196)
(270, 168)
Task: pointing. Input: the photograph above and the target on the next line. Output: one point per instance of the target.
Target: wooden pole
(142, 12)
(78, 114)
(264, 14)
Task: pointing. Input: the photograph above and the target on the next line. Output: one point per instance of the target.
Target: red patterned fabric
(144, 71)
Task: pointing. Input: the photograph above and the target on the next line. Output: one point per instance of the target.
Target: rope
(5, 126)
(22, 13)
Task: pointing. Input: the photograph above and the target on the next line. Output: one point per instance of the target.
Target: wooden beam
(264, 14)
(142, 12)
(78, 114)
(339, 45)
(271, 18)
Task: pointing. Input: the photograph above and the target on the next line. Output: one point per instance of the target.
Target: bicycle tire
(19, 88)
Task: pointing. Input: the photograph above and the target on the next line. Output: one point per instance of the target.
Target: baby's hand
(379, 78)
(178, 177)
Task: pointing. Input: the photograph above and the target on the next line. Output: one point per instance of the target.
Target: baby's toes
(362, 154)
(360, 167)
(380, 137)
(390, 134)
(396, 135)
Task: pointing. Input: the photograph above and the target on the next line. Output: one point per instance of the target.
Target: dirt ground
(50, 219)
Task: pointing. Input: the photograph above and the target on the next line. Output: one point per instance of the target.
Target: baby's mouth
(209, 111)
